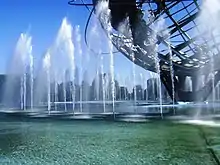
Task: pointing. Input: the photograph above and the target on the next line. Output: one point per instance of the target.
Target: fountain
(103, 12)
(103, 84)
(63, 49)
(79, 52)
(62, 94)
(24, 87)
(47, 66)
(56, 140)
(97, 85)
(55, 91)
(171, 71)
(209, 16)
(157, 61)
(31, 80)
(134, 81)
(20, 71)
(21, 94)
(64, 90)
(111, 65)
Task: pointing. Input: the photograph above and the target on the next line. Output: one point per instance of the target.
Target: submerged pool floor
(103, 143)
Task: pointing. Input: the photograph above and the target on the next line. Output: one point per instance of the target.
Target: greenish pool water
(102, 143)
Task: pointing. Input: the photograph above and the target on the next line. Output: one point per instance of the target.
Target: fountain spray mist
(21, 93)
(55, 91)
(213, 81)
(64, 90)
(166, 35)
(23, 56)
(111, 68)
(134, 79)
(95, 35)
(65, 48)
(103, 83)
(79, 50)
(31, 79)
(97, 85)
(159, 83)
(157, 63)
(47, 66)
(209, 15)
(103, 12)
(172, 76)
(25, 89)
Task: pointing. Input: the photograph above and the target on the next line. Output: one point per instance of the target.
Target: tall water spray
(103, 84)
(159, 83)
(95, 35)
(166, 36)
(86, 90)
(134, 79)
(64, 90)
(209, 28)
(31, 80)
(103, 13)
(21, 93)
(153, 41)
(97, 85)
(64, 49)
(79, 52)
(111, 69)
(24, 89)
(107, 87)
(213, 79)
(47, 66)
(55, 91)
(22, 60)
(172, 75)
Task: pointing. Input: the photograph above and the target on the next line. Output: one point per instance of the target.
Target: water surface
(101, 142)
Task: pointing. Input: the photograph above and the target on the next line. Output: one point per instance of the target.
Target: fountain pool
(102, 142)
(63, 114)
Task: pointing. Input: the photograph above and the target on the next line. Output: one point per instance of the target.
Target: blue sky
(42, 19)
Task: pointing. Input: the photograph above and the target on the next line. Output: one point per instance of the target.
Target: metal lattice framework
(173, 37)
(190, 52)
